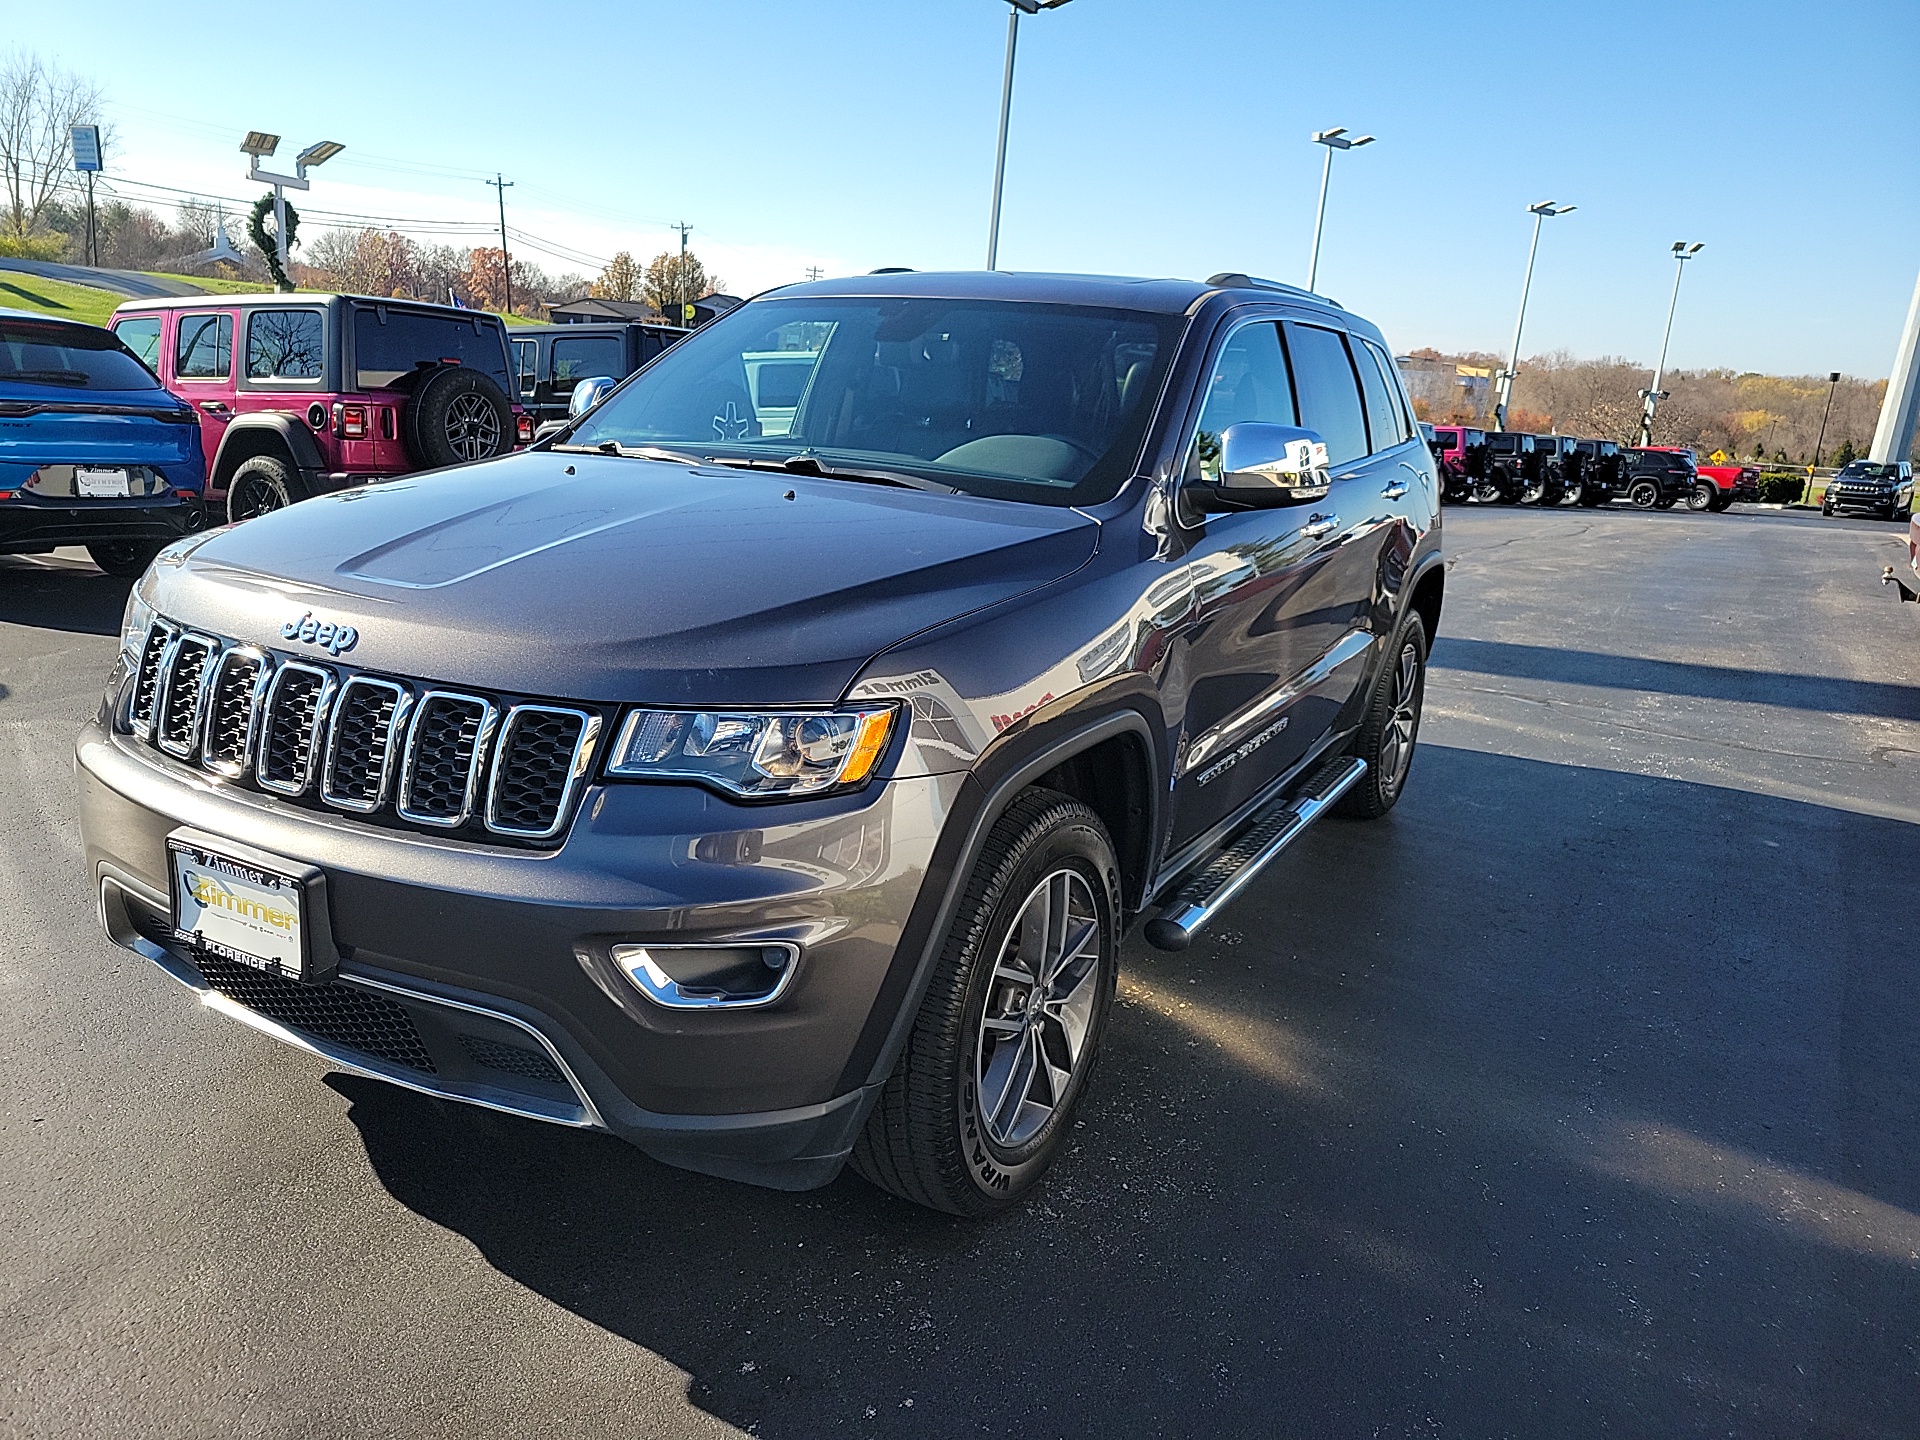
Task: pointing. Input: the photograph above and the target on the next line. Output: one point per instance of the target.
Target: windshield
(1867, 470)
(1019, 401)
(71, 357)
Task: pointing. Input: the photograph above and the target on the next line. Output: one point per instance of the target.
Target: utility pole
(506, 261)
(681, 284)
(1682, 252)
(814, 272)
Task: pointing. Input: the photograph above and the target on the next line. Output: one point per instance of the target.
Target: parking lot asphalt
(1577, 1097)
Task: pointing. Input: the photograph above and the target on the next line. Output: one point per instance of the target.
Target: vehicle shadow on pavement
(59, 596)
(1556, 1104)
(1826, 694)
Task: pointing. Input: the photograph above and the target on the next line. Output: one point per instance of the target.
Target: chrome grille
(360, 746)
(296, 707)
(146, 683)
(543, 752)
(233, 700)
(394, 751)
(182, 694)
(445, 747)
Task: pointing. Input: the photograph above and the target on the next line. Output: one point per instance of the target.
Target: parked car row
(1491, 467)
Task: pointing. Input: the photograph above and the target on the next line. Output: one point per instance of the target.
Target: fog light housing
(710, 977)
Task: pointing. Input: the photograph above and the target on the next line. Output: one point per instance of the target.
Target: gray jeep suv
(775, 790)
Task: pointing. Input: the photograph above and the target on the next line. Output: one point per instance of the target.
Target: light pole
(1650, 399)
(1334, 139)
(1833, 384)
(258, 146)
(1539, 212)
(1015, 9)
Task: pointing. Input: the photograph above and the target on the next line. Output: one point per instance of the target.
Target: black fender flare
(280, 431)
(982, 802)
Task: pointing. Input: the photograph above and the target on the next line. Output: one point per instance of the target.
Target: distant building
(1445, 385)
(591, 311)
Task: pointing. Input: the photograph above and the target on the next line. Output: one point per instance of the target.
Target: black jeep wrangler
(1656, 479)
(767, 774)
(1512, 469)
(549, 360)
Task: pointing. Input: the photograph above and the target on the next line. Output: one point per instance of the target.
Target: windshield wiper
(806, 463)
(630, 452)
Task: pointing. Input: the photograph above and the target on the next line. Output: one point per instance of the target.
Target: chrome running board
(1214, 887)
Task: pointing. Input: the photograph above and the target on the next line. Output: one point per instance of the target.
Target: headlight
(134, 621)
(792, 752)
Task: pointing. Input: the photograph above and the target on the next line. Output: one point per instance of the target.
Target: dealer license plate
(102, 484)
(238, 910)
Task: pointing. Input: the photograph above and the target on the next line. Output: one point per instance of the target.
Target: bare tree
(39, 103)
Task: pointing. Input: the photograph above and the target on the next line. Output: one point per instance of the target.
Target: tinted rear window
(1329, 394)
(389, 343)
(68, 357)
(581, 359)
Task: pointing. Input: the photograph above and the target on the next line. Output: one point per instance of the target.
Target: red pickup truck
(1719, 485)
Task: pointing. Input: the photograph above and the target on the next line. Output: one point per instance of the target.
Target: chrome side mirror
(1261, 464)
(589, 393)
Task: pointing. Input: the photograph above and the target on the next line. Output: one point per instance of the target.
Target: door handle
(1318, 525)
(215, 407)
(1395, 489)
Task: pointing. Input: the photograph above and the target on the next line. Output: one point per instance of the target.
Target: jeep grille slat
(182, 699)
(296, 708)
(543, 754)
(394, 751)
(446, 746)
(360, 743)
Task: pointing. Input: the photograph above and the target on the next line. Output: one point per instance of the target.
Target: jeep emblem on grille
(324, 633)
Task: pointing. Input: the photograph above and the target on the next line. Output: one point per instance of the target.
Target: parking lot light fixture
(1539, 210)
(1015, 9)
(1334, 139)
(1651, 398)
(258, 146)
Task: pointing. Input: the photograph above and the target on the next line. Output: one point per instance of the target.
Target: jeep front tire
(984, 1092)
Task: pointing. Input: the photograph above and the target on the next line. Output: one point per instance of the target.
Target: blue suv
(93, 451)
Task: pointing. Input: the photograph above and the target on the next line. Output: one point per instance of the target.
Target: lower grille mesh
(511, 1060)
(340, 1014)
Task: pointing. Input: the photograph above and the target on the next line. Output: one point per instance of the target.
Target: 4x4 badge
(324, 633)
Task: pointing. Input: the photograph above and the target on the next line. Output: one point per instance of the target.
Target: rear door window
(390, 342)
(285, 345)
(1396, 396)
(1329, 395)
(580, 359)
(141, 334)
(203, 348)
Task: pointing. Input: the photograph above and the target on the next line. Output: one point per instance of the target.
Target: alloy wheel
(1396, 741)
(251, 498)
(473, 428)
(1039, 1006)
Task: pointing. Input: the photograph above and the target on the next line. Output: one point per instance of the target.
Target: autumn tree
(39, 104)
(673, 278)
(621, 280)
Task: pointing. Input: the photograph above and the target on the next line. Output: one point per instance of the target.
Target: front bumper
(29, 523)
(498, 960)
(1870, 502)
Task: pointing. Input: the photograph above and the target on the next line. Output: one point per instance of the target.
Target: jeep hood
(612, 579)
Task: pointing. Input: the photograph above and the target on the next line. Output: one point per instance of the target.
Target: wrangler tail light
(523, 429)
(353, 422)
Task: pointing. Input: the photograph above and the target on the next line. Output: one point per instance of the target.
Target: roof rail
(1235, 280)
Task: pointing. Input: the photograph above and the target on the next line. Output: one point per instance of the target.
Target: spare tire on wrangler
(456, 415)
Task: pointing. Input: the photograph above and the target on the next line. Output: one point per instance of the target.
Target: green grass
(56, 297)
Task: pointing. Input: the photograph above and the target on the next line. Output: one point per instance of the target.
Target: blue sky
(1149, 137)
